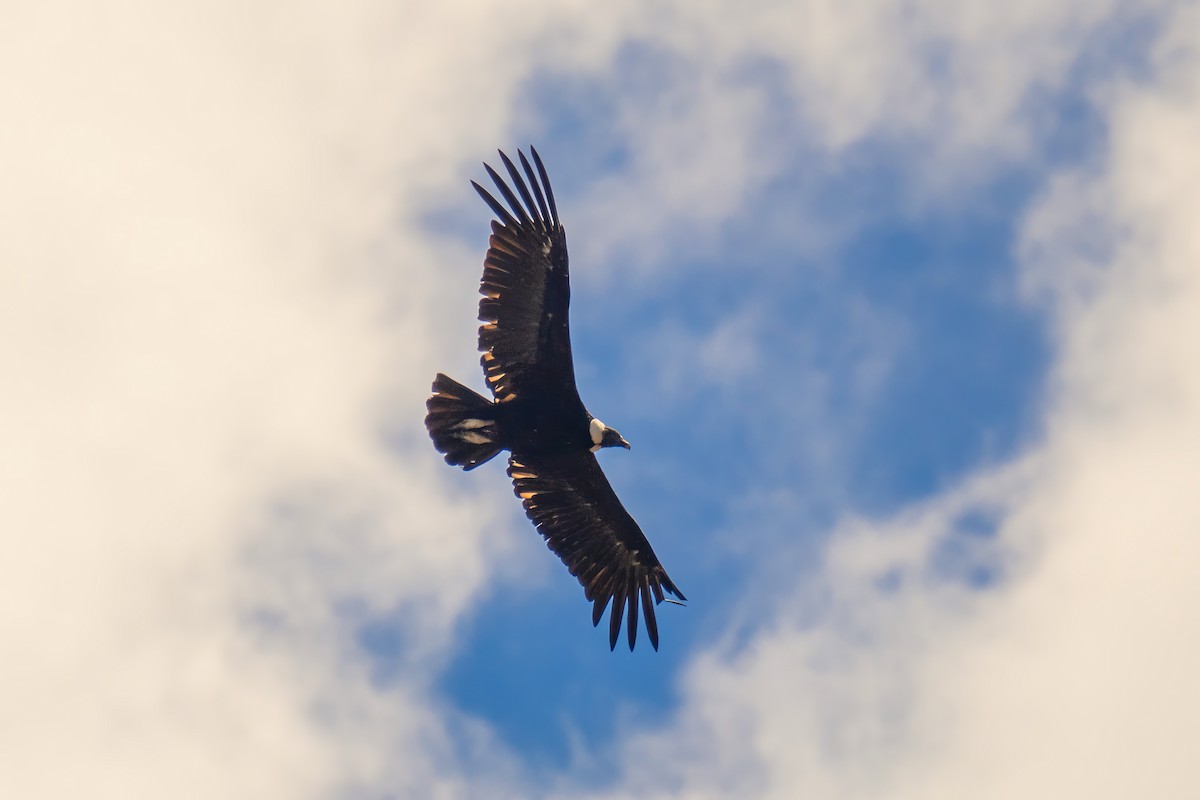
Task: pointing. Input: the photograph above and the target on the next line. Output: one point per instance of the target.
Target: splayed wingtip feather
(537, 189)
(511, 198)
(541, 168)
(614, 620)
(499, 210)
(522, 189)
(632, 620)
(648, 612)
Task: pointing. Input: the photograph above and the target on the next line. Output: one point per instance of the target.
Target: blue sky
(897, 304)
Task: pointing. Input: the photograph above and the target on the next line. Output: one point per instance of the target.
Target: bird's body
(536, 412)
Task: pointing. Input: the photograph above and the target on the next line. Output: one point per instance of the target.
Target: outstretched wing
(573, 506)
(525, 338)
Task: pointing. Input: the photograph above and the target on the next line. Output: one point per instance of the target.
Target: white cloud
(190, 345)
(744, 92)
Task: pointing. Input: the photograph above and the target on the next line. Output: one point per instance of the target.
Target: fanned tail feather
(462, 424)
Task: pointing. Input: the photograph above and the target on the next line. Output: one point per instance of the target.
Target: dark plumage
(536, 413)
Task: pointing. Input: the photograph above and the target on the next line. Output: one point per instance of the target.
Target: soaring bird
(535, 412)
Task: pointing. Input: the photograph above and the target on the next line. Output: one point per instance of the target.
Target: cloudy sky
(898, 303)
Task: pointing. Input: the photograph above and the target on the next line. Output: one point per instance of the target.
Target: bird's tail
(462, 424)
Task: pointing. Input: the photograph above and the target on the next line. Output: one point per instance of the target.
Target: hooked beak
(624, 443)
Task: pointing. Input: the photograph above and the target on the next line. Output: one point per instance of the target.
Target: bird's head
(604, 436)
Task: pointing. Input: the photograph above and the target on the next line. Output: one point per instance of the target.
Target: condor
(536, 413)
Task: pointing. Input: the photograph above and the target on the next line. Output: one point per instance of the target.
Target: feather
(537, 189)
(632, 622)
(516, 206)
(648, 612)
(501, 212)
(546, 183)
(598, 607)
(614, 619)
(519, 182)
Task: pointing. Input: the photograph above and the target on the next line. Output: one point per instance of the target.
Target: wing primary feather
(658, 593)
(519, 182)
(537, 190)
(598, 584)
(517, 208)
(500, 211)
(598, 607)
(648, 613)
(541, 168)
(632, 622)
(614, 618)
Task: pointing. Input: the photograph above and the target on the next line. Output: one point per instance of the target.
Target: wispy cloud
(193, 353)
